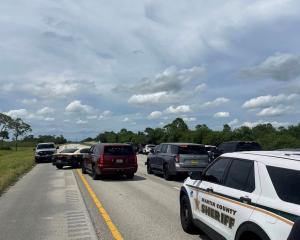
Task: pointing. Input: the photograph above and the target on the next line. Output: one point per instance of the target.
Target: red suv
(110, 158)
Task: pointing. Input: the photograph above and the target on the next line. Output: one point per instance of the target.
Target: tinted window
(118, 150)
(241, 175)
(69, 150)
(45, 146)
(248, 146)
(85, 150)
(216, 171)
(191, 149)
(164, 148)
(286, 183)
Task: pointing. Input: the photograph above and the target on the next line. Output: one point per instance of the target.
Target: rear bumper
(67, 162)
(110, 170)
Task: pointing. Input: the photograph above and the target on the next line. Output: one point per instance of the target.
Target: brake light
(177, 158)
(101, 160)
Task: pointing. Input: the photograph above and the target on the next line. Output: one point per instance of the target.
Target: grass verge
(13, 164)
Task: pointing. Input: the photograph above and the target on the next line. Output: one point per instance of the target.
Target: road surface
(38, 207)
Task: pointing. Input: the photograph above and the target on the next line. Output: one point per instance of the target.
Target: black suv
(175, 158)
(237, 146)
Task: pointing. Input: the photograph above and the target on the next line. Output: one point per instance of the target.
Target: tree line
(268, 136)
(16, 126)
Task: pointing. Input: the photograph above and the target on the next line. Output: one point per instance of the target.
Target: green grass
(13, 164)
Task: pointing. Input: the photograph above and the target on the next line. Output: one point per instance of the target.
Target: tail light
(101, 160)
(177, 158)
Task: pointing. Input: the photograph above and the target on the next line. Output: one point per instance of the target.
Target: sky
(79, 68)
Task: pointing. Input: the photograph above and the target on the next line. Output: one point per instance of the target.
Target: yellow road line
(112, 227)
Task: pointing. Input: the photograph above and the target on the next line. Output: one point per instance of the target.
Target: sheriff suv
(244, 196)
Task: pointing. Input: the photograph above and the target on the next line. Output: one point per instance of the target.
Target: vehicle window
(248, 146)
(118, 150)
(191, 149)
(45, 146)
(69, 150)
(286, 183)
(164, 148)
(241, 175)
(216, 171)
(174, 149)
(85, 150)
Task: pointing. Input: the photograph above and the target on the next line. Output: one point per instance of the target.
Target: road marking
(177, 188)
(113, 229)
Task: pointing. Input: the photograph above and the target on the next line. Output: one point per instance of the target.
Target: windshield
(45, 146)
(191, 149)
(118, 150)
(69, 150)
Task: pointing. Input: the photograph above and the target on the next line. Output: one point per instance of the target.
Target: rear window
(45, 146)
(248, 146)
(69, 150)
(118, 150)
(286, 183)
(191, 149)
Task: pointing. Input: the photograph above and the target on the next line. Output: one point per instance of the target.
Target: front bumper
(43, 158)
(67, 162)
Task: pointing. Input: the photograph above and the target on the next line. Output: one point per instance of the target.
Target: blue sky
(81, 67)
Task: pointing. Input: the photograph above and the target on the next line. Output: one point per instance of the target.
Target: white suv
(244, 196)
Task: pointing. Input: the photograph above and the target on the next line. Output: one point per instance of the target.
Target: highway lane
(45, 204)
(146, 207)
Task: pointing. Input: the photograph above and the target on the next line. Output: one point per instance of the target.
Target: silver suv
(44, 152)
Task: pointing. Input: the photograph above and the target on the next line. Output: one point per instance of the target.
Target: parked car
(44, 152)
(244, 196)
(148, 148)
(110, 158)
(237, 146)
(70, 157)
(173, 159)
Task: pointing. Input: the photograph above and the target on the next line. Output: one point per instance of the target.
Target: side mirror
(195, 175)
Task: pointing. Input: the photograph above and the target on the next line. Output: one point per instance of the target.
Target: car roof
(178, 144)
(46, 143)
(113, 144)
(267, 157)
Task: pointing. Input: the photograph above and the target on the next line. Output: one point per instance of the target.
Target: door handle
(245, 199)
(209, 190)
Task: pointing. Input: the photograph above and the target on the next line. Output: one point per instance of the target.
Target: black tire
(186, 216)
(149, 168)
(167, 175)
(59, 166)
(83, 169)
(95, 176)
(130, 175)
(251, 231)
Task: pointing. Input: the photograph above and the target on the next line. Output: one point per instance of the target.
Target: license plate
(194, 161)
(119, 161)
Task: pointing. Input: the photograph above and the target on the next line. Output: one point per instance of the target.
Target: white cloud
(91, 117)
(150, 98)
(274, 123)
(81, 121)
(45, 110)
(178, 109)
(49, 119)
(29, 101)
(155, 115)
(189, 119)
(273, 111)
(200, 88)
(281, 66)
(77, 107)
(106, 113)
(21, 113)
(222, 114)
(215, 103)
(268, 100)
(233, 122)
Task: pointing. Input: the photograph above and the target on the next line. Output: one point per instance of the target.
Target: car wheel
(95, 176)
(83, 169)
(130, 175)
(186, 217)
(167, 175)
(59, 166)
(149, 168)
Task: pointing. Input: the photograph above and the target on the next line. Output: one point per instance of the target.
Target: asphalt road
(45, 204)
(146, 207)
(55, 204)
